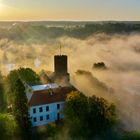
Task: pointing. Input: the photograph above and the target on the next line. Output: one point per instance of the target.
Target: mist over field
(119, 83)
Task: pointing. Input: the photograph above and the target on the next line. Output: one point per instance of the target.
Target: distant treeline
(40, 32)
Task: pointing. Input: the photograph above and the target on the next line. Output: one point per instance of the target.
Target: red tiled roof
(49, 96)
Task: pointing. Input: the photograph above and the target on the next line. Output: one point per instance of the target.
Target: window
(58, 106)
(40, 109)
(35, 120)
(58, 116)
(47, 108)
(41, 118)
(47, 117)
(34, 110)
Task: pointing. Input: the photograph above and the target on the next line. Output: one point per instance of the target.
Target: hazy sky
(69, 9)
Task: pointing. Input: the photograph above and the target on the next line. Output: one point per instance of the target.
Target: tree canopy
(20, 110)
(8, 127)
(99, 65)
(2, 95)
(88, 116)
(26, 75)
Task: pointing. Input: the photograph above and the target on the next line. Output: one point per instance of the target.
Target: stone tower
(61, 75)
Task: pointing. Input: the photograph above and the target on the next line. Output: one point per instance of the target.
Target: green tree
(8, 127)
(134, 135)
(20, 109)
(10, 85)
(26, 75)
(88, 117)
(2, 95)
(17, 97)
(101, 115)
(76, 109)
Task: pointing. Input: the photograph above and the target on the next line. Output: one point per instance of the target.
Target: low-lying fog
(119, 83)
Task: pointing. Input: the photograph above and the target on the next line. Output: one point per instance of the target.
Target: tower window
(34, 119)
(41, 118)
(47, 108)
(34, 110)
(40, 109)
(58, 106)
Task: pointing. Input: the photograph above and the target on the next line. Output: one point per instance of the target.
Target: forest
(41, 31)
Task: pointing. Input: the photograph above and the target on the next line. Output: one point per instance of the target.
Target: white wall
(53, 111)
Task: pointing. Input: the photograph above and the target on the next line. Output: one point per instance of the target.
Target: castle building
(46, 102)
(61, 75)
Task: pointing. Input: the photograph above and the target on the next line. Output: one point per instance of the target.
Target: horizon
(69, 20)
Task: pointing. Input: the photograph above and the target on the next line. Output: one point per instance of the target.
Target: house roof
(44, 87)
(49, 96)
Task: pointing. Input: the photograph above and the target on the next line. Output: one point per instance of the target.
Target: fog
(119, 83)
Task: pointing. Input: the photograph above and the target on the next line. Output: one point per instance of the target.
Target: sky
(96, 10)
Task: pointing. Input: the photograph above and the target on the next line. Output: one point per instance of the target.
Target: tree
(87, 117)
(26, 75)
(10, 85)
(2, 96)
(76, 109)
(17, 97)
(99, 65)
(8, 127)
(20, 109)
(134, 135)
(102, 115)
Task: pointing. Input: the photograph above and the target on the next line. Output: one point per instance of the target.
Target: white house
(46, 103)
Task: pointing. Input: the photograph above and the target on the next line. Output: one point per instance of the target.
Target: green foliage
(26, 75)
(17, 97)
(8, 127)
(37, 31)
(131, 136)
(102, 115)
(88, 117)
(49, 132)
(100, 65)
(2, 95)
(20, 110)
(76, 109)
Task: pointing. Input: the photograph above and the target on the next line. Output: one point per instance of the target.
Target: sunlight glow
(1, 5)
(70, 10)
